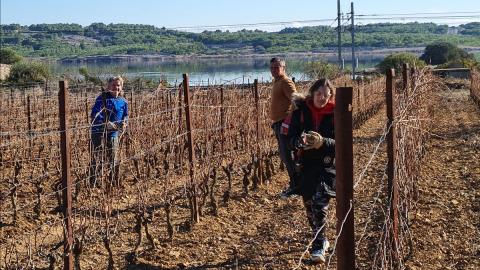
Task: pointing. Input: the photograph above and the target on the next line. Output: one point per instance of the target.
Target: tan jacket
(282, 91)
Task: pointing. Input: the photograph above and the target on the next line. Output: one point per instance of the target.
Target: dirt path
(262, 231)
(447, 229)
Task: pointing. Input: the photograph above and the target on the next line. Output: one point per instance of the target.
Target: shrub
(28, 72)
(461, 63)
(89, 78)
(9, 56)
(321, 69)
(396, 61)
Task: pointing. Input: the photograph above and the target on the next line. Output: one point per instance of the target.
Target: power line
(253, 24)
(410, 15)
(199, 27)
(417, 13)
(421, 17)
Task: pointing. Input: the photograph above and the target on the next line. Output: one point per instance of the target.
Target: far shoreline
(330, 55)
(327, 55)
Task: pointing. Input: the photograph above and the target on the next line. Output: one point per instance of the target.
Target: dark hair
(322, 83)
(277, 60)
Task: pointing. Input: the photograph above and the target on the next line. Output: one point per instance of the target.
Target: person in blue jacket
(109, 120)
(310, 134)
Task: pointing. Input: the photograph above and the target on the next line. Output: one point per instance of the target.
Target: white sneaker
(319, 255)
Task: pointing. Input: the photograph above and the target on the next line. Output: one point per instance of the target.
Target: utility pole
(353, 42)
(339, 35)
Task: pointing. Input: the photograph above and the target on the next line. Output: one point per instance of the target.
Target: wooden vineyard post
(406, 79)
(391, 150)
(344, 181)
(29, 118)
(170, 104)
(222, 119)
(257, 131)
(46, 87)
(132, 107)
(195, 217)
(11, 96)
(180, 126)
(359, 106)
(413, 76)
(66, 178)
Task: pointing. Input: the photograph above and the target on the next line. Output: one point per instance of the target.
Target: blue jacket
(116, 111)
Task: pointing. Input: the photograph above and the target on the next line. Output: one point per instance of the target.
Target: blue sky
(186, 13)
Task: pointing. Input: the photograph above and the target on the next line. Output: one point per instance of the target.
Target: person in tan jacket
(283, 88)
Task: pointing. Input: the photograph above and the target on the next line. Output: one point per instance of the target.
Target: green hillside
(70, 40)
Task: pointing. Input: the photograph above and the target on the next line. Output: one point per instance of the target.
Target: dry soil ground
(262, 231)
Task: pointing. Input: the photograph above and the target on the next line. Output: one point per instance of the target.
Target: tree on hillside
(9, 56)
(55, 40)
(443, 52)
(472, 28)
(396, 61)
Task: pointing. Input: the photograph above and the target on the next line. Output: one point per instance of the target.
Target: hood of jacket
(298, 100)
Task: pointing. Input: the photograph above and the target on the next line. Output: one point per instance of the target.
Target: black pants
(316, 199)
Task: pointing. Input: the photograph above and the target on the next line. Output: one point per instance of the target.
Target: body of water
(200, 71)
